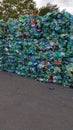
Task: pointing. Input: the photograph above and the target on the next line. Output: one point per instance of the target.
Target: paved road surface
(26, 104)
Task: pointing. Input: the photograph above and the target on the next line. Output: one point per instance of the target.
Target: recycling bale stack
(2, 35)
(57, 29)
(39, 47)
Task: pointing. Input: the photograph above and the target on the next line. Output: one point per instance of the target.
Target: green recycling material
(39, 47)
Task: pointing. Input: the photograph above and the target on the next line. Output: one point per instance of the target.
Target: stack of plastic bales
(57, 29)
(69, 54)
(2, 35)
(9, 47)
(39, 47)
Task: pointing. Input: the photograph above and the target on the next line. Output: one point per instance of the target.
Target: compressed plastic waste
(39, 47)
(2, 35)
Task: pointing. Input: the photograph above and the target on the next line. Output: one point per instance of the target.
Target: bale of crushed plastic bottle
(39, 47)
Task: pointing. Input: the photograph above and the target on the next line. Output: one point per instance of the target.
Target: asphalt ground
(27, 104)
